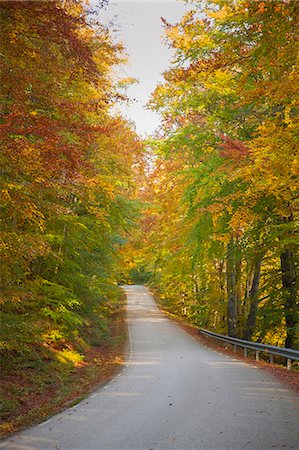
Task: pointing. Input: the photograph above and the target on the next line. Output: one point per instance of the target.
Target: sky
(140, 29)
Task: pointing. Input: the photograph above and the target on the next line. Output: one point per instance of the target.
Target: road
(175, 394)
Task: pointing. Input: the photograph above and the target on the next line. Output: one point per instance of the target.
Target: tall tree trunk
(288, 271)
(238, 270)
(289, 285)
(231, 289)
(254, 300)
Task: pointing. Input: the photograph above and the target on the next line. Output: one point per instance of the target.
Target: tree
(67, 178)
(229, 108)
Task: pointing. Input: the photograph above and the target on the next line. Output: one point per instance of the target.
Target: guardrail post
(231, 342)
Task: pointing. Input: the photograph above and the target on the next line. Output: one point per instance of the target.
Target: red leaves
(234, 150)
(51, 24)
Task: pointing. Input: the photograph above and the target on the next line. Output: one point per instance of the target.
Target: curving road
(172, 394)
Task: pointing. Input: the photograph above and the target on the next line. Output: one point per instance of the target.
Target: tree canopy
(68, 168)
(226, 169)
(206, 211)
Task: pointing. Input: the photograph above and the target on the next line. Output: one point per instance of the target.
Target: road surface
(172, 394)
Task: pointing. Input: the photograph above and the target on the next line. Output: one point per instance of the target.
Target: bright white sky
(140, 28)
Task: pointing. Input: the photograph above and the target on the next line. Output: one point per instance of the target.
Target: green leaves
(228, 108)
(67, 185)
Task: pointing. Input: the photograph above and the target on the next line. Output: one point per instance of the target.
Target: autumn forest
(204, 211)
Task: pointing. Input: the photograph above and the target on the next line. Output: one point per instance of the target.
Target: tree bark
(231, 289)
(254, 300)
(289, 286)
(288, 271)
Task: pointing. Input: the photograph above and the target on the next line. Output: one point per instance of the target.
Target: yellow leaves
(242, 219)
(32, 55)
(287, 116)
(29, 212)
(189, 37)
(278, 335)
(222, 82)
(223, 13)
(13, 37)
(294, 169)
(274, 149)
(20, 206)
(81, 91)
(180, 40)
(5, 194)
(188, 18)
(202, 40)
(126, 82)
(208, 149)
(75, 9)
(101, 184)
(70, 356)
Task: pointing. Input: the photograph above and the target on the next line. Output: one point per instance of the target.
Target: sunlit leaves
(68, 167)
(229, 106)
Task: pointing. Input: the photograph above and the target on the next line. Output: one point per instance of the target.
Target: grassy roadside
(289, 378)
(32, 394)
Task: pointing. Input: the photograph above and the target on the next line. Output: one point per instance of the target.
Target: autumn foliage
(224, 239)
(218, 234)
(67, 185)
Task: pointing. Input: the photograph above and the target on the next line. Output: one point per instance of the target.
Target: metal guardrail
(271, 350)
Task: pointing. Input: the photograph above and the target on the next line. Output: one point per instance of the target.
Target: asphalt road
(172, 394)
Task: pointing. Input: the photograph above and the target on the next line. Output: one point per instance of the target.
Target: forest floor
(39, 401)
(290, 378)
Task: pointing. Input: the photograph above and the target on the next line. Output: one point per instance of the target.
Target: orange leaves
(65, 155)
(229, 107)
(233, 149)
(262, 7)
(68, 167)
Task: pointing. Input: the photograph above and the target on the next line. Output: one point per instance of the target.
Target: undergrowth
(39, 379)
